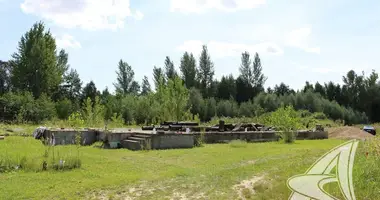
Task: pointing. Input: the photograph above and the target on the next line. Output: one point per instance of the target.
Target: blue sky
(314, 40)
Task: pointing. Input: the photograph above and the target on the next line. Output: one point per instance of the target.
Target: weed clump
(15, 155)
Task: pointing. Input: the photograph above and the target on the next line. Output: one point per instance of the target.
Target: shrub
(24, 108)
(93, 112)
(76, 120)
(246, 109)
(227, 108)
(286, 120)
(116, 121)
(319, 115)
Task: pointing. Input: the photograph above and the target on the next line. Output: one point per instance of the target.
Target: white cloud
(138, 15)
(300, 38)
(225, 49)
(67, 41)
(86, 14)
(199, 6)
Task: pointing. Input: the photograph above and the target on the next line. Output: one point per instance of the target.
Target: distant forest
(37, 84)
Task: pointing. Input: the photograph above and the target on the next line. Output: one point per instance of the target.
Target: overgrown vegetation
(15, 156)
(38, 85)
(286, 120)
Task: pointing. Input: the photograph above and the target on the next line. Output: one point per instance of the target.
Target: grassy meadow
(213, 171)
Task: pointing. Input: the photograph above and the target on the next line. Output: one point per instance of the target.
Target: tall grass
(28, 154)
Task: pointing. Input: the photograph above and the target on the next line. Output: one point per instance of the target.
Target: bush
(22, 107)
(116, 121)
(304, 113)
(246, 109)
(93, 112)
(319, 115)
(286, 120)
(227, 108)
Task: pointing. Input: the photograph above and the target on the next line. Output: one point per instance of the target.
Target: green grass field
(208, 172)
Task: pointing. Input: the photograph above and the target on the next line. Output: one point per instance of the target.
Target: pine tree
(206, 71)
(89, 91)
(258, 79)
(170, 72)
(188, 70)
(245, 68)
(158, 76)
(145, 88)
(134, 88)
(73, 85)
(125, 76)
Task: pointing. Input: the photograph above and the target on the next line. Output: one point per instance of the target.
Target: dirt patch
(348, 132)
(129, 193)
(145, 190)
(187, 196)
(245, 189)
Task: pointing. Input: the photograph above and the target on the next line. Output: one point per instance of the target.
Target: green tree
(246, 68)
(63, 61)
(373, 79)
(282, 89)
(93, 112)
(5, 77)
(72, 86)
(188, 70)
(227, 88)
(307, 87)
(330, 91)
(318, 88)
(258, 79)
(89, 91)
(173, 100)
(243, 89)
(35, 65)
(269, 90)
(195, 101)
(158, 76)
(134, 89)
(64, 108)
(206, 71)
(125, 75)
(145, 88)
(170, 71)
(178, 98)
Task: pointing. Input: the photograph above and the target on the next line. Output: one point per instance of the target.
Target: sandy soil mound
(348, 132)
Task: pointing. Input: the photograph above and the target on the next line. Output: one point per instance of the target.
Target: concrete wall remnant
(137, 139)
(68, 136)
(170, 141)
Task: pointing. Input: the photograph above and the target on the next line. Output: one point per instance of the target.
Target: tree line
(38, 84)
